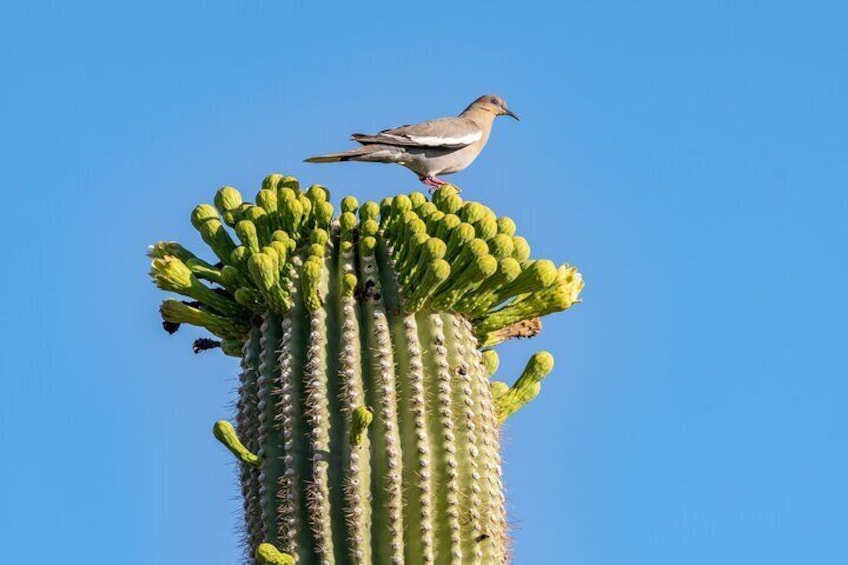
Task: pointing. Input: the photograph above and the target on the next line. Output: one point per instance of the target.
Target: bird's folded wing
(446, 132)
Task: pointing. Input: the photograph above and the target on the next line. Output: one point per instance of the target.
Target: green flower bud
(360, 418)
(367, 246)
(271, 182)
(310, 279)
(246, 232)
(177, 312)
(317, 193)
(226, 434)
(216, 237)
(202, 213)
(442, 194)
(501, 246)
(347, 225)
(369, 211)
(432, 277)
(228, 199)
(368, 228)
(349, 282)
(270, 555)
(506, 226)
(491, 362)
(417, 199)
(349, 204)
(522, 249)
(239, 256)
(290, 183)
(163, 248)
(316, 250)
(527, 387)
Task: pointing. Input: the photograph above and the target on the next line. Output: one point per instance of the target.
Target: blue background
(689, 157)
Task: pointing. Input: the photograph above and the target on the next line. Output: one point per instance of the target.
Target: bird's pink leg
(431, 181)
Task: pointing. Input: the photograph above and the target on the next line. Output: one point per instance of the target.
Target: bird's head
(492, 103)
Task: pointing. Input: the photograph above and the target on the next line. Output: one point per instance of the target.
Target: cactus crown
(366, 425)
(449, 255)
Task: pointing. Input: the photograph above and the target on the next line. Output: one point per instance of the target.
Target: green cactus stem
(366, 427)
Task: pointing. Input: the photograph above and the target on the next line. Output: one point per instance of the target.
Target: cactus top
(449, 255)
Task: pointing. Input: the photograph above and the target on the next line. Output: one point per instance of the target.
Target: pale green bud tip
(417, 199)
(263, 270)
(491, 361)
(163, 248)
(509, 269)
(315, 250)
(544, 272)
(471, 212)
(441, 269)
(539, 365)
(361, 418)
(486, 265)
(240, 255)
(271, 181)
(501, 246)
(226, 434)
(347, 222)
(522, 249)
(281, 250)
(202, 213)
(318, 193)
(349, 204)
(286, 194)
(385, 207)
(369, 227)
(311, 279)
(369, 211)
(255, 213)
(324, 212)
(319, 236)
(349, 282)
(445, 192)
(464, 232)
(506, 226)
(246, 232)
(228, 199)
(486, 227)
(450, 221)
(479, 247)
(290, 183)
(401, 204)
(267, 199)
(270, 555)
(434, 248)
(169, 273)
(367, 246)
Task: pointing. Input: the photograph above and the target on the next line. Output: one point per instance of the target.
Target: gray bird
(432, 148)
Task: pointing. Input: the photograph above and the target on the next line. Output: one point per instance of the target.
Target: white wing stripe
(463, 140)
(435, 141)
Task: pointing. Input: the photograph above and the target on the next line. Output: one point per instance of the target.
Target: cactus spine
(366, 426)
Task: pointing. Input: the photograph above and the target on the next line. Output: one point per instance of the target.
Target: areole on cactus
(366, 427)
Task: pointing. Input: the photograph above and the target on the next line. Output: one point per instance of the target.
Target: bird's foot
(433, 182)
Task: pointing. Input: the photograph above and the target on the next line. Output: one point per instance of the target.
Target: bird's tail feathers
(378, 153)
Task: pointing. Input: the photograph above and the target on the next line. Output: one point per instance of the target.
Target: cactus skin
(366, 425)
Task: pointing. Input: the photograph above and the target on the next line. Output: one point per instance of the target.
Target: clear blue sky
(690, 157)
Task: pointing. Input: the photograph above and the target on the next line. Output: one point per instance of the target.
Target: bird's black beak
(511, 114)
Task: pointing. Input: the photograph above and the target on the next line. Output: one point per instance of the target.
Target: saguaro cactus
(366, 424)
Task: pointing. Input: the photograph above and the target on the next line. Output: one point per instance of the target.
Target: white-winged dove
(435, 147)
